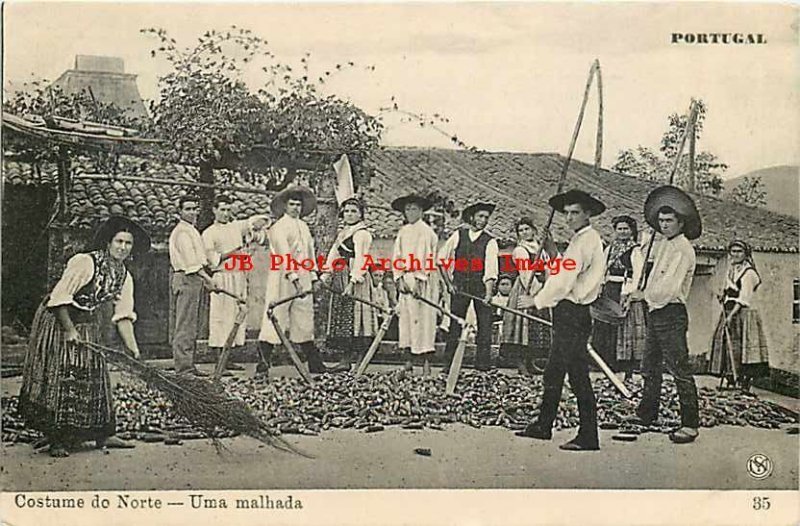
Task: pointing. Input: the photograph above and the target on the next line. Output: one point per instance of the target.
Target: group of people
(66, 388)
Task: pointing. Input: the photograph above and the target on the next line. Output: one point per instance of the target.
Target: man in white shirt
(222, 239)
(290, 240)
(187, 258)
(673, 214)
(569, 293)
(475, 249)
(416, 319)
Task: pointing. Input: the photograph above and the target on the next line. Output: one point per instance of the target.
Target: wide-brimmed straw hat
(278, 204)
(590, 204)
(400, 203)
(679, 201)
(115, 224)
(468, 212)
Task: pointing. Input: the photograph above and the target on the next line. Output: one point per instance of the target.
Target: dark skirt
(522, 332)
(604, 335)
(632, 333)
(351, 321)
(748, 343)
(66, 389)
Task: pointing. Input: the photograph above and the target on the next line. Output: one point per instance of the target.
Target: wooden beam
(169, 182)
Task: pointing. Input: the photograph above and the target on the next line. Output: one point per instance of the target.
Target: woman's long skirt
(604, 335)
(632, 333)
(521, 335)
(351, 323)
(66, 389)
(748, 342)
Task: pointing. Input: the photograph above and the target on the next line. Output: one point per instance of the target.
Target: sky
(510, 76)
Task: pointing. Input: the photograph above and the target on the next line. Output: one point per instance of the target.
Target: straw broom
(203, 403)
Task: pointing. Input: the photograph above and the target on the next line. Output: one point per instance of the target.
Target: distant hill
(782, 184)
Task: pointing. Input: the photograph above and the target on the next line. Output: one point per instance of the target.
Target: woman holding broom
(66, 390)
(522, 338)
(351, 324)
(739, 326)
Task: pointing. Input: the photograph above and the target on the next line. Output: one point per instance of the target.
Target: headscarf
(617, 249)
(748, 263)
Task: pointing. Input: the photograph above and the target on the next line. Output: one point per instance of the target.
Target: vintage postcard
(400, 263)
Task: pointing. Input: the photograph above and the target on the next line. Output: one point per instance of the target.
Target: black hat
(468, 212)
(114, 224)
(679, 201)
(400, 203)
(591, 204)
(278, 203)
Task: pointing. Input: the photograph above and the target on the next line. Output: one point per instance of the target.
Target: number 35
(761, 503)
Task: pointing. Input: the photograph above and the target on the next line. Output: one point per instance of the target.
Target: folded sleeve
(749, 282)
(397, 272)
(490, 266)
(558, 286)
(212, 255)
(123, 306)
(448, 250)
(362, 241)
(279, 244)
(79, 272)
(428, 250)
(637, 261)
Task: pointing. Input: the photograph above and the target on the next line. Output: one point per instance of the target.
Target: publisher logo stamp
(759, 466)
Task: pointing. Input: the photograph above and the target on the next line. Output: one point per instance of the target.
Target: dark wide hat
(591, 204)
(679, 201)
(468, 212)
(115, 224)
(278, 203)
(400, 203)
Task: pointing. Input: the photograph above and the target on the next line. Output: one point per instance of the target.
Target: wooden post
(565, 169)
(598, 146)
(206, 194)
(64, 182)
(692, 180)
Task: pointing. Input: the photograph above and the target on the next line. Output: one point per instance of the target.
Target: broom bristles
(202, 403)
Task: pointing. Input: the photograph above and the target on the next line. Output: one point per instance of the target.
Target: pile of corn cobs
(373, 402)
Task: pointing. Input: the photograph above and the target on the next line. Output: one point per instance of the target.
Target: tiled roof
(154, 206)
(519, 183)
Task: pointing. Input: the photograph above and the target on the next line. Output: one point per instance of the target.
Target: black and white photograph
(251, 251)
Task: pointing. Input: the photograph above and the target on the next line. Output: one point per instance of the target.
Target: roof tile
(519, 183)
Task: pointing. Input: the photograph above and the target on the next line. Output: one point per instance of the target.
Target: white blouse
(749, 282)
(526, 274)
(79, 272)
(362, 242)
